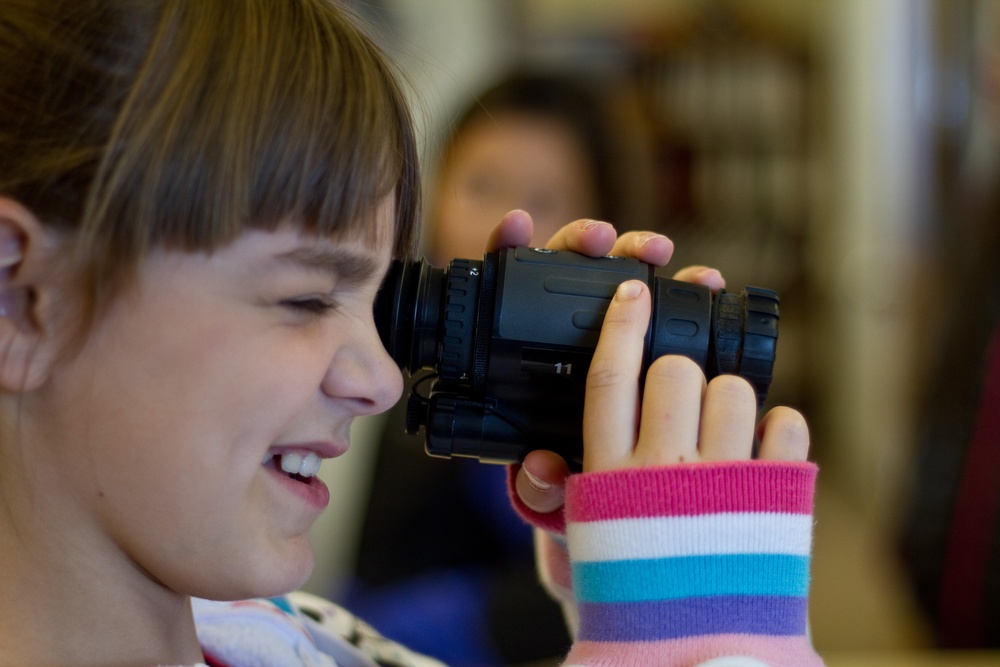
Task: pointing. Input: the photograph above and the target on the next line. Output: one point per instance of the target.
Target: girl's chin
(287, 577)
(284, 575)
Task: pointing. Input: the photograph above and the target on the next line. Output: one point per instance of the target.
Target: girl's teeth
(296, 464)
(291, 463)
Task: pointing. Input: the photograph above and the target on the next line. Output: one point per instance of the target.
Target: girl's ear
(29, 339)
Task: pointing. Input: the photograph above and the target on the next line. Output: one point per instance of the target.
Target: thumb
(541, 481)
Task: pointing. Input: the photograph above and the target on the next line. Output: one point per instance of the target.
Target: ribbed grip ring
(760, 340)
(728, 332)
(459, 320)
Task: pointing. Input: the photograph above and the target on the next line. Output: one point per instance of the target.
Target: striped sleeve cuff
(691, 551)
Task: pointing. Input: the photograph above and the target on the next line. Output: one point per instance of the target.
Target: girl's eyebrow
(341, 263)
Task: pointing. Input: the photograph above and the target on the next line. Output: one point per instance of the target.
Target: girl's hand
(677, 418)
(596, 239)
(542, 476)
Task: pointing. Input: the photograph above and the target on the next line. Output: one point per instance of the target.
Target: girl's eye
(312, 306)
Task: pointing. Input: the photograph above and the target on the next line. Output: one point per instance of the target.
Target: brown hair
(179, 123)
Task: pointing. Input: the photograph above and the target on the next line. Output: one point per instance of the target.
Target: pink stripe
(776, 651)
(692, 489)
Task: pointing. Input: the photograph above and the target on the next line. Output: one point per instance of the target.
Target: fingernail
(628, 290)
(709, 273)
(591, 224)
(647, 237)
(536, 482)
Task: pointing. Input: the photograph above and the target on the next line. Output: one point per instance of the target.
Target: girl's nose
(364, 373)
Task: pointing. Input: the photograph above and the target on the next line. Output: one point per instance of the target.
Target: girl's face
(167, 432)
(511, 160)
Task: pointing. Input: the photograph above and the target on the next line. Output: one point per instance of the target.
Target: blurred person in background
(445, 548)
(951, 529)
(545, 142)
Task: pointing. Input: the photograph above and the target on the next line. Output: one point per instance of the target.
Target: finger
(702, 275)
(612, 393)
(541, 481)
(649, 247)
(784, 435)
(727, 421)
(671, 411)
(514, 229)
(593, 238)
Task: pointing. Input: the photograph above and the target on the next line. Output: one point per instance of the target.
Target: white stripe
(666, 537)
(732, 661)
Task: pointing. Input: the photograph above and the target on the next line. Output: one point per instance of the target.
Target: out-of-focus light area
(821, 148)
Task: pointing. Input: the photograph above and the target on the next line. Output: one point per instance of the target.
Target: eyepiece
(408, 313)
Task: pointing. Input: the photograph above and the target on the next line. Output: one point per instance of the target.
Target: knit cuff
(693, 556)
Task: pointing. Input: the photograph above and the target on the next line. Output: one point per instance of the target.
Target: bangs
(251, 115)
(337, 139)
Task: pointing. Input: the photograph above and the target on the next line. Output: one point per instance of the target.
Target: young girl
(198, 201)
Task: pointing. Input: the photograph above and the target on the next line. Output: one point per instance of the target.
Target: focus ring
(760, 341)
(728, 333)
(459, 318)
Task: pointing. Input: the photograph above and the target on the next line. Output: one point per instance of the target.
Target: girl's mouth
(297, 466)
(296, 473)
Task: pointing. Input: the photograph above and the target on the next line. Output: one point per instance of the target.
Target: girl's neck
(99, 608)
(89, 620)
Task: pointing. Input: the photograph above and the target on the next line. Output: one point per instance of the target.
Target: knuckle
(675, 368)
(606, 375)
(623, 317)
(616, 321)
(732, 388)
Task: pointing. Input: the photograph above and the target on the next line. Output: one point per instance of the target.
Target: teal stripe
(691, 576)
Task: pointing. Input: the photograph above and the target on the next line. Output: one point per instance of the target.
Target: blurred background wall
(802, 145)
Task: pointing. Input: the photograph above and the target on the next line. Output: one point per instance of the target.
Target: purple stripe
(691, 617)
